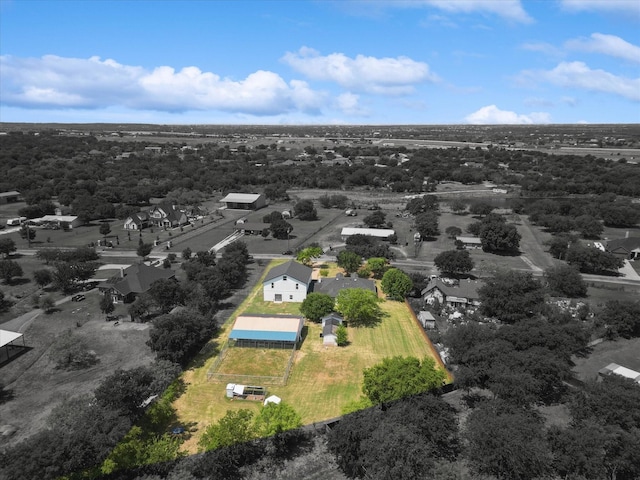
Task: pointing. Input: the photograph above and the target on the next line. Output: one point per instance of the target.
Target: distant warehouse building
(9, 197)
(383, 233)
(244, 201)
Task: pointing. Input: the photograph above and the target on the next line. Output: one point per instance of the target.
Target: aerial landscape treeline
(519, 411)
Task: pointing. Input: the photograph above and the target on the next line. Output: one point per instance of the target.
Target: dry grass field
(323, 379)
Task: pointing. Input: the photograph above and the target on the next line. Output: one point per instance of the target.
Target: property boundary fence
(213, 374)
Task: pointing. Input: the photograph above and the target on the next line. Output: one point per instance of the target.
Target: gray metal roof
(292, 269)
(241, 197)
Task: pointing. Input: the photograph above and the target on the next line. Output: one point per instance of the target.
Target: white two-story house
(288, 282)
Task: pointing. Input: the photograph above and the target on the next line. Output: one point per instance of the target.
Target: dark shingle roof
(137, 278)
(292, 269)
(466, 288)
(628, 244)
(332, 286)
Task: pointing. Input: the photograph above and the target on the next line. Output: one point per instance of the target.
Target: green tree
(427, 224)
(621, 318)
(235, 427)
(458, 206)
(498, 236)
(566, 281)
(7, 246)
(342, 336)
(304, 210)
(166, 293)
(506, 442)
(180, 336)
(42, 277)
(349, 261)
(144, 249)
(376, 219)
(106, 304)
(399, 377)
(592, 260)
(453, 231)
(378, 266)
(396, 284)
(47, 304)
(9, 269)
(589, 227)
(480, 208)
(454, 262)
(27, 233)
(281, 229)
(316, 306)
(105, 229)
(511, 296)
(276, 418)
(358, 306)
(307, 255)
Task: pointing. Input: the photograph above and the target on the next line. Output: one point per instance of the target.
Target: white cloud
(509, 9)
(53, 81)
(493, 115)
(349, 103)
(579, 75)
(622, 6)
(542, 47)
(386, 76)
(607, 45)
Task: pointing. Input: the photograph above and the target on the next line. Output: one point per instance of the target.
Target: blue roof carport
(267, 328)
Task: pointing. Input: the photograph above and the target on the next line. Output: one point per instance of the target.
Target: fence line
(248, 379)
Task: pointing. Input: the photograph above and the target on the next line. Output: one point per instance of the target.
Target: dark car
(78, 298)
(287, 252)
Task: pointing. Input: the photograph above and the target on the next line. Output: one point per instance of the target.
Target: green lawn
(323, 379)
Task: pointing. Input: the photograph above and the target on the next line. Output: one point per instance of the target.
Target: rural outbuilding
(9, 346)
(383, 233)
(244, 201)
(330, 324)
(267, 331)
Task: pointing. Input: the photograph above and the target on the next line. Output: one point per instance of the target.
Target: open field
(622, 351)
(37, 386)
(323, 379)
(267, 362)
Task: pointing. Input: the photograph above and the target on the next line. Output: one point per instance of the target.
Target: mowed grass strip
(269, 362)
(323, 379)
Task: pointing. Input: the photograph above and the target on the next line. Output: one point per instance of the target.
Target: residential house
(133, 281)
(332, 286)
(166, 215)
(628, 248)
(330, 324)
(383, 233)
(137, 221)
(288, 282)
(452, 293)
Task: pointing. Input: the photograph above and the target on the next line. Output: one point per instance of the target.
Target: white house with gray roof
(288, 282)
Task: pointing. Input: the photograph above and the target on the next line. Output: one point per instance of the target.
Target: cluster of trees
(51, 165)
(239, 426)
(81, 432)
(496, 234)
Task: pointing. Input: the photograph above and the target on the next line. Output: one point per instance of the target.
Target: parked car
(78, 298)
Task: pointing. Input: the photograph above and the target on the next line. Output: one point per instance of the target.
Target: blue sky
(320, 62)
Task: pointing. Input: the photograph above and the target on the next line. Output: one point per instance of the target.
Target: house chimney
(626, 235)
(121, 272)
